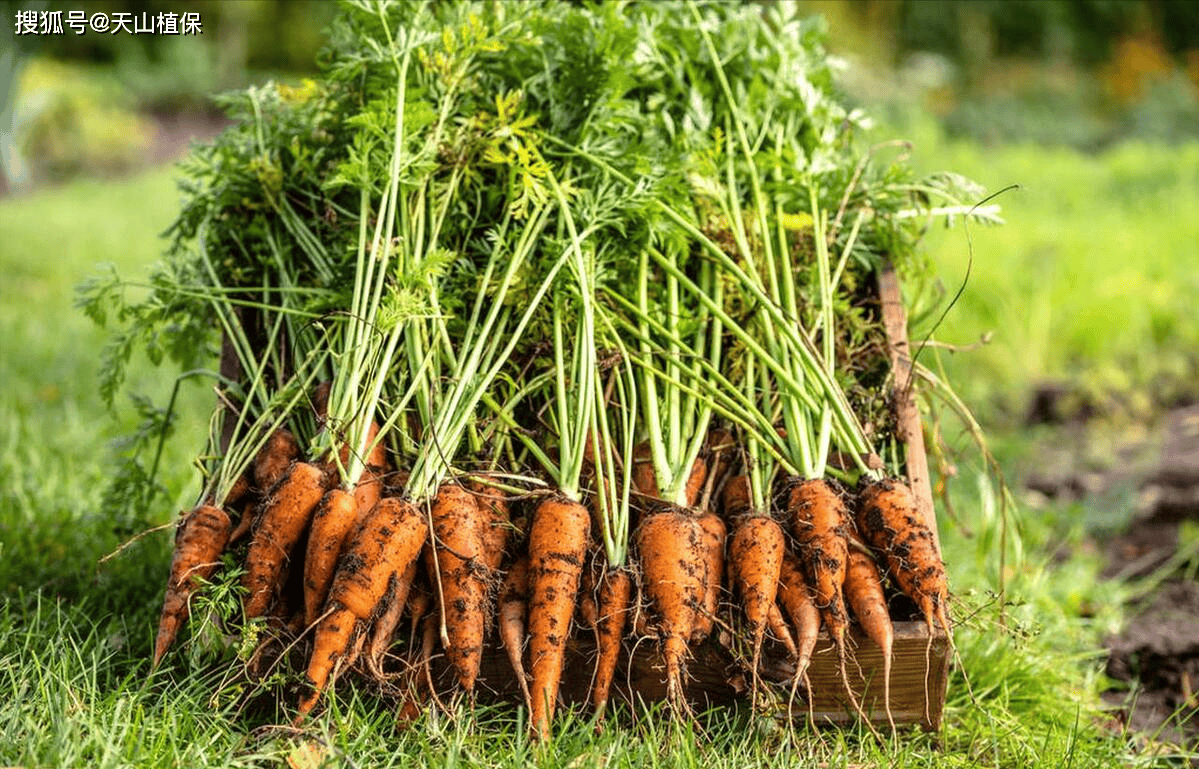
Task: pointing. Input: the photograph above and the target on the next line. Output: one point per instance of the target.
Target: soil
(1154, 660)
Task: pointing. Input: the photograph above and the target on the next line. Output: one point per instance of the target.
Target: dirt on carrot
(273, 459)
(455, 558)
(376, 557)
(558, 537)
(513, 612)
(864, 593)
(612, 610)
(335, 517)
(891, 523)
(283, 520)
(670, 546)
(199, 541)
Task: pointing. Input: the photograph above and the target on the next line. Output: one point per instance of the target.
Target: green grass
(1090, 282)
(57, 442)
(75, 635)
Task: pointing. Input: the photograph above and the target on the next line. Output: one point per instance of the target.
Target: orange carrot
(282, 522)
(714, 533)
(755, 561)
(199, 541)
(334, 518)
(819, 521)
(671, 548)
(557, 546)
(735, 499)
(514, 605)
(385, 626)
(890, 522)
(778, 626)
(496, 522)
(721, 448)
(644, 481)
(695, 481)
(457, 561)
(864, 592)
(615, 593)
(244, 521)
(796, 599)
(273, 459)
(369, 488)
(587, 608)
(378, 554)
(239, 490)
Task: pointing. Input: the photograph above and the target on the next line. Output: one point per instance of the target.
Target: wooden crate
(920, 666)
(716, 677)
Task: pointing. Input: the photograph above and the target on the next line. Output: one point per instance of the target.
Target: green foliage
(69, 121)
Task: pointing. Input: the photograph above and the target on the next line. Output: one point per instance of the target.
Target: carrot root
(557, 549)
(283, 520)
(615, 593)
(199, 541)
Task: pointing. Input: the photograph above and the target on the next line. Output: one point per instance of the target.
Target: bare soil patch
(1155, 658)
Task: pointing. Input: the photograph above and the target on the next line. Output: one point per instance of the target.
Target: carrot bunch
(583, 389)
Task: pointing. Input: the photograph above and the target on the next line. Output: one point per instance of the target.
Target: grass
(1090, 283)
(75, 686)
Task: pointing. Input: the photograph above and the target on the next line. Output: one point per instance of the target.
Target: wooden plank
(919, 677)
(909, 428)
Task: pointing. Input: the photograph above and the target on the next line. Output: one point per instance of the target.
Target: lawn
(1052, 287)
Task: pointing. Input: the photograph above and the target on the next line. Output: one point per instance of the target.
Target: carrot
(714, 533)
(721, 449)
(587, 607)
(496, 523)
(820, 523)
(557, 547)
(615, 593)
(755, 561)
(320, 401)
(239, 490)
(671, 548)
(199, 541)
(890, 522)
(377, 556)
(242, 527)
(514, 605)
(369, 488)
(281, 523)
(864, 591)
(644, 482)
(778, 626)
(273, 459)
(735, 499)
(455, 556)
(796, 599)
(385, 626)
(331, 524)
(695, 481)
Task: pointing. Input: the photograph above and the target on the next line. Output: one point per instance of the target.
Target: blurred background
(1084, 74)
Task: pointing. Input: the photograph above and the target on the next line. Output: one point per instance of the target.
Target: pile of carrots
(563, 334)
(479, 567)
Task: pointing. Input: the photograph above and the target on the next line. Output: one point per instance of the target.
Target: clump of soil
(1158, 653)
